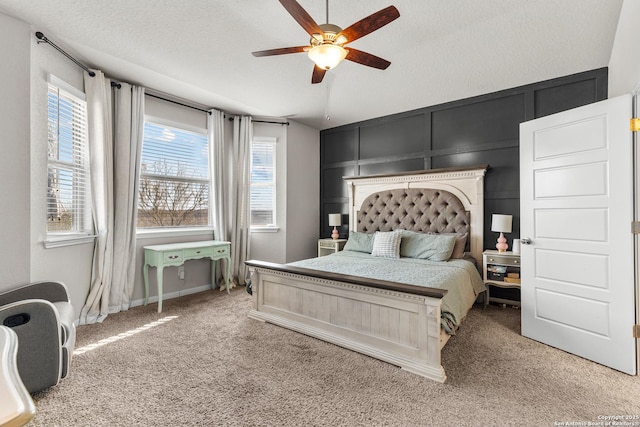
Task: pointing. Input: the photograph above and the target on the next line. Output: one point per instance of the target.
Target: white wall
(14, 162)
(267, 245)
(303, 192)
(624, 64)
(297, 193)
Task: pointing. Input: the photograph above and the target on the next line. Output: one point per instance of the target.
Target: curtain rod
(265, 121)
(273, 123)
(42, 39)
(179, 103)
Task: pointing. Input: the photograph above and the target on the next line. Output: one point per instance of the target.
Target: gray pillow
(433, 247)
(359, 242)
(461, 243)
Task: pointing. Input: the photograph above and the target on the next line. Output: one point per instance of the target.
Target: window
(68, 197)
(174, 177)
(263, 182)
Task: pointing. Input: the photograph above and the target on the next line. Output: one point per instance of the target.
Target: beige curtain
(230, 167)
(240, 191)
(100, 125)
(219, 160)
(128, 129)
(115, 121)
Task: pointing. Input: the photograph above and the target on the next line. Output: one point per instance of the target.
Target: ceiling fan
(327, 42)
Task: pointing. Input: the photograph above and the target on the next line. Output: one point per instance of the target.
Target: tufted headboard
(437, 201)
(425, 210)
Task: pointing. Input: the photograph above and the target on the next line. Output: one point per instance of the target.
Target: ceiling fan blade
(367, 59)
(280, 51)
(318, 74)
(301, 16)
(370, 23)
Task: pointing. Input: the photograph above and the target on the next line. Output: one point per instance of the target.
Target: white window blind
(263, 183)
(68, 197)
(174, 177)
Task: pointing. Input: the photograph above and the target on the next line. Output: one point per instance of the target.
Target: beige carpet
(212, 366)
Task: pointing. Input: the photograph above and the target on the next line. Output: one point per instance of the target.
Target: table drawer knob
(173, 256)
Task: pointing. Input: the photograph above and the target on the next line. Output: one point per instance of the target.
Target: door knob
(525, 241)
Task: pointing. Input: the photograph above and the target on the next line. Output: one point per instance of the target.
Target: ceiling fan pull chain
(327, 108)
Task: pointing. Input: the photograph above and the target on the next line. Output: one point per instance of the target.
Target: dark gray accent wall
(468, 132)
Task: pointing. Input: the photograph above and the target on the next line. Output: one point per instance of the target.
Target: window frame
(82, 230)
(187, 230)
(270, 228)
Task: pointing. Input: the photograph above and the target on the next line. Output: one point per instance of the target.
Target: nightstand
(330, 246)
(501, 269)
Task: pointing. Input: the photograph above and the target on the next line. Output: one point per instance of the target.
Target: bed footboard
(393, 322)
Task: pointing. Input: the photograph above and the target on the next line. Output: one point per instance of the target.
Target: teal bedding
(458, 276)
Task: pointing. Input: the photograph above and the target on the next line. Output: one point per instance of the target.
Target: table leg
(213, 273)
(145, 271)
(228, 262)
(159, 276)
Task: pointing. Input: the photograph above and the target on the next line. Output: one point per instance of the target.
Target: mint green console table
(175, 254)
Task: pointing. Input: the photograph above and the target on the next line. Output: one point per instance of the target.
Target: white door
(576, 207)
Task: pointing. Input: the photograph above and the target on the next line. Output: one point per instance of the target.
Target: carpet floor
(202, 362)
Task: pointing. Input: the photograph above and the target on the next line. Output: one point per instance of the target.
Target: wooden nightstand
(501, 269)
(330, 246)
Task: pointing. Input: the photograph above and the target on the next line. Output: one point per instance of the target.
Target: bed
(354, 299)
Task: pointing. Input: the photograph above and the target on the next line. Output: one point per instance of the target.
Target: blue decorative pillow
(386, 244)
(359, 242)
(433, 247)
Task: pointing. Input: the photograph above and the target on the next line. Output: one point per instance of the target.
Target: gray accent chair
(44, 320)
(16, 405)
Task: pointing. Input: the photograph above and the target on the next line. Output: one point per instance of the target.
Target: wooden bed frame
(394, 322)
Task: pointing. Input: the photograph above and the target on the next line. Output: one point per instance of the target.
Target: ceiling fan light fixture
(327, 56)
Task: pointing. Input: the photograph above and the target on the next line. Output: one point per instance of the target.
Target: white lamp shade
(327, 56)
(501, 223)
(335, 219)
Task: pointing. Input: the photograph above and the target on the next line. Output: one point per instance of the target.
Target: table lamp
(335, 220)
(501, 224)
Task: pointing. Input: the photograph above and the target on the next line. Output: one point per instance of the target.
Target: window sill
(268, 229)
(67, 240)
(154, 233)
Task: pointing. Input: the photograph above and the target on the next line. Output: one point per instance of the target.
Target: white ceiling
(440, 50)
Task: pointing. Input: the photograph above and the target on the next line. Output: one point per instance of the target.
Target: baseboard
(170, 295)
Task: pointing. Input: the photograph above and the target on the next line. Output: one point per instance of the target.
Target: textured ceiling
(440, 50)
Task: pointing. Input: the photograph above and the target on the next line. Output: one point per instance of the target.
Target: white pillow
(386, 244)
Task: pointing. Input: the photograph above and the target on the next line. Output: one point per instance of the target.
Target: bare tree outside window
(171, 203)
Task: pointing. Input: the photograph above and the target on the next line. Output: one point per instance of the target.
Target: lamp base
(335, 235)
(502, 245)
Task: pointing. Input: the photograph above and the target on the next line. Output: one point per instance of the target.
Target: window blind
(68, 189)
(174, 177)
(263, 183)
